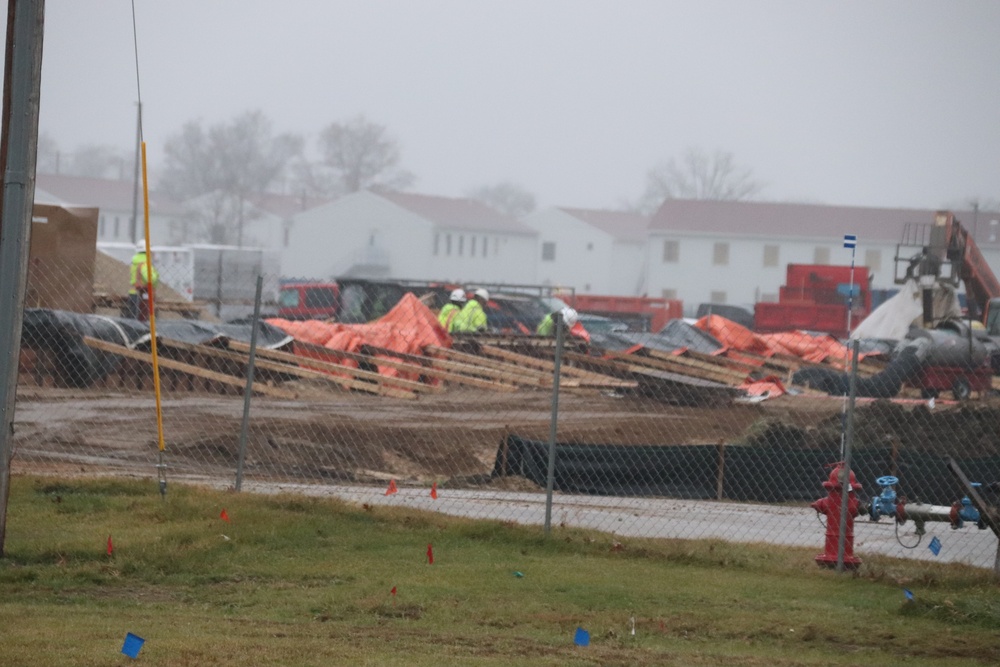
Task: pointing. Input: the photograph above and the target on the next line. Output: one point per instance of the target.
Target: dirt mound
(966, 430)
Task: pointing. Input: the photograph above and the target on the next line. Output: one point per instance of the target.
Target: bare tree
(356, 154)
(100, 162)
(506, 197)
(698, 175)
(228, 161)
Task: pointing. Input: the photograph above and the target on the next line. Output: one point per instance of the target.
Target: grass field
(304, 581)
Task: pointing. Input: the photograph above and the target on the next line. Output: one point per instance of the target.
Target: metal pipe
(245, 424)
(845, 484)
(18, 148)
(550, 475)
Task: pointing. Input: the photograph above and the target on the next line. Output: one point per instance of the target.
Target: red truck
(308, 301)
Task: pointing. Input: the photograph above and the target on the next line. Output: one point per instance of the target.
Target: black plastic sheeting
(676, 334)
(884, 384)
(61, 333)
(756, 474)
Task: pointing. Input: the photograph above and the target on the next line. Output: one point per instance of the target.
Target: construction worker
(448, 312)
(547, 327)
(472, 317)
(142, 278)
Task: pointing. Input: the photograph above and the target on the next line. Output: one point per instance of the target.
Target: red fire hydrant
(830, 507)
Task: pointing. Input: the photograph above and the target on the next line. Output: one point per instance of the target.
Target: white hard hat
(140, 245)
(458, 295)
(482, 294)
(570, 316)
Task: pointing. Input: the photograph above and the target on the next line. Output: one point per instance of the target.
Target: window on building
(717, 297)
(100, 227)
(671, 251)
(770, 255)
(287, 236)
(496, 246)
(720, 254)
(873, 260)
(437, 243)
(117, 228)
(769, 298)
(669, 293)
(447, 244)
(590, 246)
(549, 251)
(485, 245)
(821, 255)
(472, 246)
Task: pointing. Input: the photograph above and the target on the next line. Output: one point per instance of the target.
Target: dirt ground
(453, 436)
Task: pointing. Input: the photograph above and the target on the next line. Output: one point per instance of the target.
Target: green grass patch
(304, 581)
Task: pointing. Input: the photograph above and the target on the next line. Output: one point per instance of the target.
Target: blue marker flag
(908, 593)
(132, 645)
(850, 240)
(935, 546)
(582, 637)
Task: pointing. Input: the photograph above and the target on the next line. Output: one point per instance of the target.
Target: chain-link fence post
(248, 392)
(845, 484)
(550, 476)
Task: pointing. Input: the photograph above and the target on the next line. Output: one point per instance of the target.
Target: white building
(116, 201)
(261, 220)
(410, 236)
(594, 252)
(737, 252)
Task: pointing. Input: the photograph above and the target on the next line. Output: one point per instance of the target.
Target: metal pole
(845, 484)
(550, 476)
(244, 426)
(18, 147)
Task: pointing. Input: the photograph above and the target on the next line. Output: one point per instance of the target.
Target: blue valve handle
(887, 480)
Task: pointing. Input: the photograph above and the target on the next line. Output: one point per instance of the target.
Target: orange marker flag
(430, 554)
(224, 515)
(392, 488)
(111, 548)
(434, 490)
(393, 591)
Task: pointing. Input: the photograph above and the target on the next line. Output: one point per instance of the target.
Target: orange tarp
(408, 328)
(795, 343)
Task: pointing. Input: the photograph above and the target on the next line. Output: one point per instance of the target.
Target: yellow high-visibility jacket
(137, 278)
(471, 318)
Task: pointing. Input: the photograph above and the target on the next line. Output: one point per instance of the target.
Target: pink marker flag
(392, 488)
(430, 554)
(224, 515)
(111, 547)
(434, 490)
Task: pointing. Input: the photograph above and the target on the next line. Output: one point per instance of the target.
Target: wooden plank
(190, 369)
(475, 364)
(263, 363)
(414, 369)
(587, 378)
(378, 384)
(402, 383)
(635, 360)
(462, 371)
(719, 360)
(735, 375)
(417, 363)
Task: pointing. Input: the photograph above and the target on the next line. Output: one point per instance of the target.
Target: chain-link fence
(704, 430)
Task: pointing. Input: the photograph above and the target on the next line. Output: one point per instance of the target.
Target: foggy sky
(864, 103)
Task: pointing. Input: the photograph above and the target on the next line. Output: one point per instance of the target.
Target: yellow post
(152, 318)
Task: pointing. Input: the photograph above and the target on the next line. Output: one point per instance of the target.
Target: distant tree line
(215, 169)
